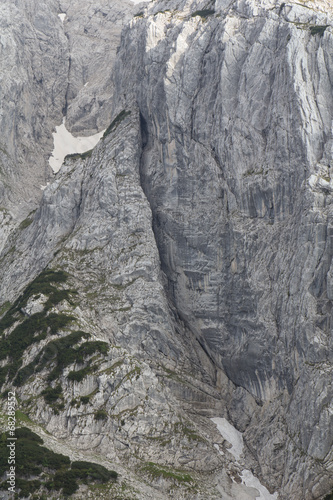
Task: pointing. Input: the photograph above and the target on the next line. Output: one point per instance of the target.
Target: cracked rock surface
(196, 239)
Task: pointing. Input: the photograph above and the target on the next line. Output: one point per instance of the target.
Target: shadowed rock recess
(182, 270)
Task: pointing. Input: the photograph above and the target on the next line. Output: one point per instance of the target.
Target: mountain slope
(196, 243)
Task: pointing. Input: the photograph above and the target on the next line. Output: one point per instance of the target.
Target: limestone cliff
(54, 60)
(195, 241)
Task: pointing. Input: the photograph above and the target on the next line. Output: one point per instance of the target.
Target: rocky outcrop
(57, 67)
(93, 31)
(34, 61)
(236, 120)
(196, 239)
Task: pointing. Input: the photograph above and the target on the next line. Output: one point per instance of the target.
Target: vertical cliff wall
(196, 241)
(236, 118)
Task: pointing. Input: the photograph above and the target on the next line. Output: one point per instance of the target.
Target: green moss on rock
(114, 124)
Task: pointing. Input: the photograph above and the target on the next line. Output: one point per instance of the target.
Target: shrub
(119, 118)
(41, 284)
(27, 488)
(100, 415)
(318, 30)
(203, 13)
(82, 156)
(88, 471)
(79, 375)
(25, 334)
(65, 480)
(26, 433)
(52, 470)
(156, 471)
(52, 394)
(63, 353)
(25, 223)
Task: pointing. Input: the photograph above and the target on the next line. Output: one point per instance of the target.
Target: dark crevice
(64, 109)
(169, 286)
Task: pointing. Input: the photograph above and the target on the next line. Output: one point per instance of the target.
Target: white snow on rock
(139, 1)
(232, 435)
(65, 143)
(62, 17)
(253, 482)
(235, 438)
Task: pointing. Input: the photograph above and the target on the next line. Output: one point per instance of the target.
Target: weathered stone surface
(33, 61)
(198, 240)
(93, 31)
(236, 119)
(49, 68)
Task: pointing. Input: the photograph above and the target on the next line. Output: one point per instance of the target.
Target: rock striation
(196, 241)
(51, 55)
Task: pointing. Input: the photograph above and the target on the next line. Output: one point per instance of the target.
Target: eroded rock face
(93, 31)
(34, 68)
(52, 66)
(197, 240)
(236, 119)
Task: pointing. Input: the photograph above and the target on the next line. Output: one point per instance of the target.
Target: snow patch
(139, 1)
(235, 438)
(62, 17)
(253, 482)
(65, 143)
(232, 435)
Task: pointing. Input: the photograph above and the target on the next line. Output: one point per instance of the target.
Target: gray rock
(197, 238)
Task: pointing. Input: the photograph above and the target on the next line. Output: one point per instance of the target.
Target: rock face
(54, 70)
(93, 31)
(237, 118)
(33, 76)
(197, 242)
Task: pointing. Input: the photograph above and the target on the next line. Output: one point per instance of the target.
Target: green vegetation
(51, 471)
(32, 330)
(82, 156)
(329, 496)
(187, 432)
(4, 308)
(318, 30)
(35, 327)
(157, 471)
(100, 415)
(119, 118)
(22, 417)
(31, 458)
(91, 471)
(314, 29)
(87, 472)
(79, 375)
(203, 13)
(62, 353)
(52, 394)
(42, 285)
(25, 223)
(253, 172)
